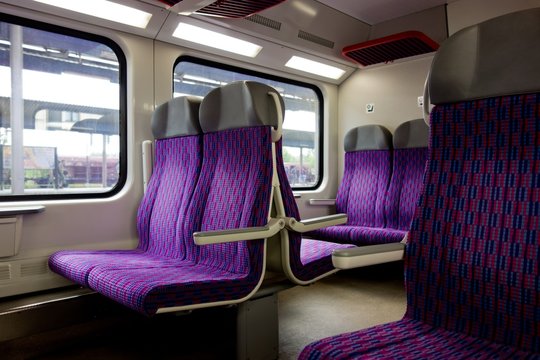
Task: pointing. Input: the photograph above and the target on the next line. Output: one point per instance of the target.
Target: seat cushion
(158, 284)
(316, 258)
(408, 339)
(314, 250)
(76, 265)
(309, 259)
(359, 235)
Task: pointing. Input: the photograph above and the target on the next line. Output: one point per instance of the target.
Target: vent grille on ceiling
(5, 272)
(315, 39)
(264, 21)
(390, 48)
(237, 8)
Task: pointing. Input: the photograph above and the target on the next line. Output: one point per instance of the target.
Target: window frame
(122, 111)
(239, 70)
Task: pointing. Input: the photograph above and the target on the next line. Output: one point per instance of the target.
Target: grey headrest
(368, 137)
(240, 104)
(411, 134)
(497, 57)
(177, 117)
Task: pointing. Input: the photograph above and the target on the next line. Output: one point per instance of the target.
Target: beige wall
(393, 89)
(463, 13)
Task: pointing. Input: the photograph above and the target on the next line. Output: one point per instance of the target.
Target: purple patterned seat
(410, 143)
(361, 194)
(178, 158)
(472, 264)
(308, 259)
(233, 192)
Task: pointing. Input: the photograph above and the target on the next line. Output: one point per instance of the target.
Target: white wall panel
(392, 89)
(463, 13)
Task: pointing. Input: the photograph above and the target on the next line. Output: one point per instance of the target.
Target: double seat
(216, 198)
(381, 184)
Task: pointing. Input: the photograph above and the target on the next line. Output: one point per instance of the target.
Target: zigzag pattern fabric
(472, 261)
(361, 196)
(233, 191)
(409, 339)
(404, 189)
(479, 221)
(177, 165)
(362, 190)
(391, 210)
(309, 258)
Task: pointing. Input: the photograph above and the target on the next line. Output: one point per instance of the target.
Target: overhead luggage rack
(389, 48)
(231, 8)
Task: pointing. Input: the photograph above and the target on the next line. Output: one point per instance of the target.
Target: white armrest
(20, 210)
(315, 223)
(318, 202)
(147, 162)
(232, 235)
(367, 255)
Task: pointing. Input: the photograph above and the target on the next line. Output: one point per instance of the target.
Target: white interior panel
(392, 89)
(463, 13)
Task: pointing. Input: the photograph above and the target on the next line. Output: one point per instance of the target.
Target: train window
(62, 94)
(302, 139)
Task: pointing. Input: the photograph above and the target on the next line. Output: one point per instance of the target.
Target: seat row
(381, 183)
(217, 203)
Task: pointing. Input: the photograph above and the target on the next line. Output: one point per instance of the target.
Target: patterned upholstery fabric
(480, 215)
(408, 339)
(405, 185)
(377, 215)
(472, 263)
(309, 259)
(361, 195)
(362, 190)
(177, 165)
(233, 191)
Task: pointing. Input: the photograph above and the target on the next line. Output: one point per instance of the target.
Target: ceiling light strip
(104, 9)
(315, 67)
(216, 40)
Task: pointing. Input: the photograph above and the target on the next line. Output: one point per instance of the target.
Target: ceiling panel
(376, 11)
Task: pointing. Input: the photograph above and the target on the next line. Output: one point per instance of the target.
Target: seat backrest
(235, 184)
(366, 175)
(472, 260)
(410, 143)
(296, 262)
(178, 159)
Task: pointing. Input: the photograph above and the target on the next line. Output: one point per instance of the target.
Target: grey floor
(347, 301)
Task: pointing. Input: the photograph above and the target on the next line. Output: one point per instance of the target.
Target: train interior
(258, 147)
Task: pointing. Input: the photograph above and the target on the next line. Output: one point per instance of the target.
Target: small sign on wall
(370, 108)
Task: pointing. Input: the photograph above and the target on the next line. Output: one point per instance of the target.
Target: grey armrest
(21, 210)
(232, 235)
(320, 202)
(315, 223)
(367, 255)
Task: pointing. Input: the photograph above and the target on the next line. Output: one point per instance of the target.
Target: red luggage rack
(232, 8)
(389, 48)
